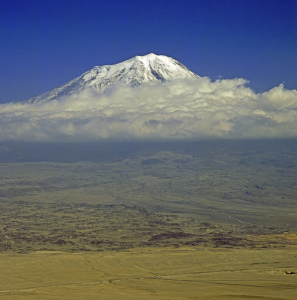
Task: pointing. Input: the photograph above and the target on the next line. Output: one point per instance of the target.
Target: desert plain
(208, 220)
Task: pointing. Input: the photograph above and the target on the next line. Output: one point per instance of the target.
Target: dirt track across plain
(151, 273)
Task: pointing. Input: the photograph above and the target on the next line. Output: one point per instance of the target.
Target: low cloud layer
(179, 110)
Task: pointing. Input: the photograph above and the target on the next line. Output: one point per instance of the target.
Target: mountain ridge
(132, 72)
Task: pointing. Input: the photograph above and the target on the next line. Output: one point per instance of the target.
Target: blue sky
(44, 44)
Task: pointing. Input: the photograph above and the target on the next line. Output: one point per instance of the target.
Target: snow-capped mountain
(132, 72)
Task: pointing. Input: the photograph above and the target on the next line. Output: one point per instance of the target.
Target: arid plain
(208, 220)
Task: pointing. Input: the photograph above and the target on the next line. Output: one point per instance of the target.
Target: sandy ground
(151, 273)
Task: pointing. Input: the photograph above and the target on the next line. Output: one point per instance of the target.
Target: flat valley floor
(197, 221)
(151, 273)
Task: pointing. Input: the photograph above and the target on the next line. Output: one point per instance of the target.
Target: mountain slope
(132, 72)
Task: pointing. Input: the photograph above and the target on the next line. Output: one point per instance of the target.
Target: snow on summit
(169, 103)
(132, 72)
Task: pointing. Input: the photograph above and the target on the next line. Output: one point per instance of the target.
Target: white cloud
(183, 109)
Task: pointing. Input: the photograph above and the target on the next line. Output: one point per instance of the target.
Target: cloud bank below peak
(178, 110)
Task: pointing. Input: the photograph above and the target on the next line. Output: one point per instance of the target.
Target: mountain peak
(132, 72)
(148, 58)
